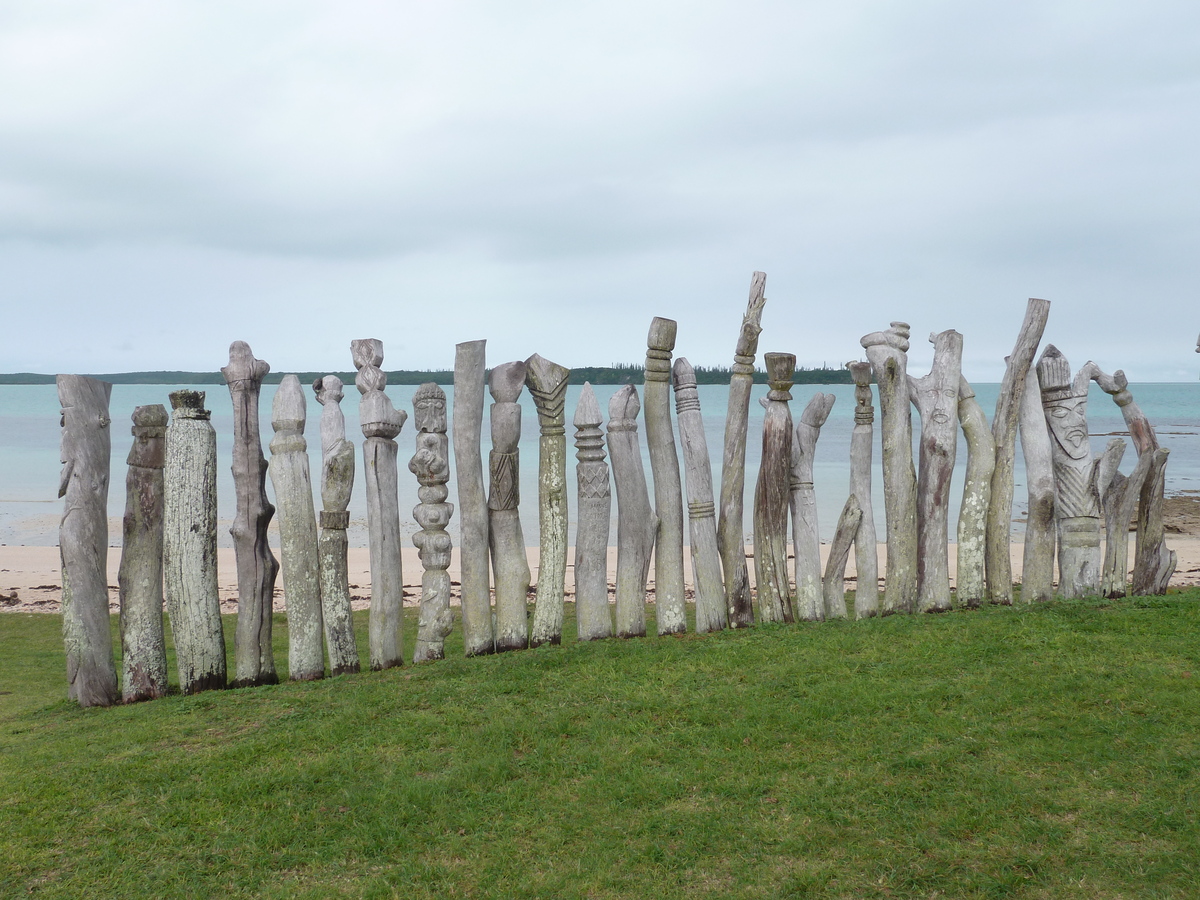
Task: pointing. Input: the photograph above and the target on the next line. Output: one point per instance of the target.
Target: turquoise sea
(29, 450)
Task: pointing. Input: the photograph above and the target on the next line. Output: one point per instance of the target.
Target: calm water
(29, 450)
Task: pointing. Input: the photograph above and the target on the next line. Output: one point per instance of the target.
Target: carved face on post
(429, 409)
(1067, 419)
(944, 401)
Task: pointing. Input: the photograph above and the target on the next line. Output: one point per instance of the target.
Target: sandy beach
(31, 581)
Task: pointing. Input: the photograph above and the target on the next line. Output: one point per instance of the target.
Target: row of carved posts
(170, 522)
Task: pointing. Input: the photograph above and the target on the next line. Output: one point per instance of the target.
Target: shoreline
(31, 580)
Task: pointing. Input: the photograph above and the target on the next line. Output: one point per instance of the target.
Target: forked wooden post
(431, 465)
(83, 539)
(731, 538)
(1118, 498)
(140, 577)
(772, 494)
(636, 522)
(806, 539)
(834, 582)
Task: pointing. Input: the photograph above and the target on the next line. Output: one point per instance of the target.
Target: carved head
(1065, 404)
(328, 389)
(429, 409)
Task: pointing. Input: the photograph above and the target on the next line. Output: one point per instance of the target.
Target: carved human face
(430, 413)
(944, 403)
(1068, 423)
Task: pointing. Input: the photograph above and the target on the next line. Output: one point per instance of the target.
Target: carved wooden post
(190, 544)
(337, 483)
(702, 524)
(772, 493)
(1153, 562)
(547, 383)
(866, 553)
(140, 578)
(806, 539)
(431, 465)
(669, 601)
(472, 504)
(1037, 564)
(636, 522)
(1118, 497)
(936, 397)
(1076, 503)
(834, 583)
(254, 656)
(887, 351)
(730, 530)
(591, 534)
(83, 539)
(1004, 434)
(297, 532)
(971, 584)
(381, 422)
(509, 562)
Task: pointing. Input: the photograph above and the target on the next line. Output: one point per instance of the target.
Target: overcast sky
(549, 176)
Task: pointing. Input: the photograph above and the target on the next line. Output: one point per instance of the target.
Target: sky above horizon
(174, 177)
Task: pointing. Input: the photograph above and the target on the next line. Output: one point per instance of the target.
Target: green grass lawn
(1051, 751)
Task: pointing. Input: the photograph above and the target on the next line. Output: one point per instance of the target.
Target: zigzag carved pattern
(1074, 492)
(593, 482)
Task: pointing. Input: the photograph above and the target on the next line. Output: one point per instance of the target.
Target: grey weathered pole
(1004, 435)
(593, 617)
(140, 577)
(83, 539)
(257, 568)
(772, 493)
(1037, 561)
(887, 351)
(1118, 498)
(469, 358)
(636, 522)
(1076, 502)
(971, 584)
(290, 477)
(806, 538)
(1153, 562)
(510, 564)
(337, 483)
(431, 465)
(711, 614)
(834, 581)
(730, 530)
(547, 383)
(866, 551)
(190, 544)
(381, 422)
(669, 602)
(936, 397)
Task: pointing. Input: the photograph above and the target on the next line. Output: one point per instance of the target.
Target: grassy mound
(1051, 751)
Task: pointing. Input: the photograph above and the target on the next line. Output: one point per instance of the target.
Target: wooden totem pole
(547, 383)
(509, 562)
(806, 539)
(636, 522)
(669, 603)
(592, 614)
(730, 531)
(297, 532)
(936, 397)
(1037, 561)
(711, 612)
(1076, 502)
(140, 578)
(257, 568)
(86, 446)
(467, 426)
(866, 553)
(337, 483)
(772, 493)
(190, 544)
(888, 353)
(431, 465)
(381, 422)
(971, 586)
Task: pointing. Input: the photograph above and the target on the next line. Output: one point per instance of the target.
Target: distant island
(615, 374)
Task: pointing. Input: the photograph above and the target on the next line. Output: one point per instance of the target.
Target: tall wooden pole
(469, 358)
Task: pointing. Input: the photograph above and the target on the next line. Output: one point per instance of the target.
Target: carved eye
(1058, 412)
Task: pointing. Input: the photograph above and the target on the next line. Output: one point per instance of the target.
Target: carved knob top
(367, 352)
(429, 409)
(860, 371)
(624, 406)
(188, 404)
(287, 407)
(506, 381)
(817, 410)
(896, 336)
(662, 334)
(244, 372)
(587, 411)
(152, 416)
(781, 369)
(1054, 375)
(328, 389)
